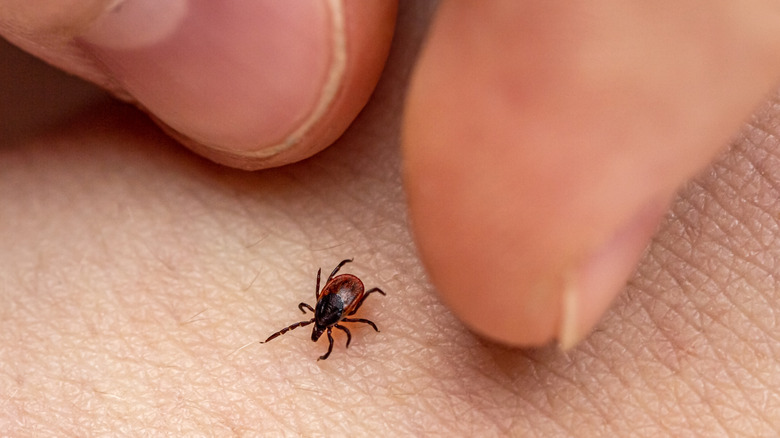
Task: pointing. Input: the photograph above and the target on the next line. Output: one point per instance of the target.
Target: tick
(339, 299)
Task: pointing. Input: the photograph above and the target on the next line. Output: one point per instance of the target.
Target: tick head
(316, 332)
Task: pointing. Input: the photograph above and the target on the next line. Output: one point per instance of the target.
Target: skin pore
(137, 280)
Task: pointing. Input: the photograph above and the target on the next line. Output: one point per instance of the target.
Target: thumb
(248, 83)
(543, 142)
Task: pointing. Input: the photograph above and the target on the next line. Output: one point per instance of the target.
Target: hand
(132, 274)
(250, 84)
(545, 141)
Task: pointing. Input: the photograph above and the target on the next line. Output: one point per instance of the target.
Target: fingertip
(537, 164)
(247, 84)
(592, 284)
(250, 85)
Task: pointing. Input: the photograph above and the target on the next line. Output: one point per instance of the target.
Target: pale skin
(138, 278)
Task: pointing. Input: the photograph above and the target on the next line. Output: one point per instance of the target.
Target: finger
(543, 141)
(248, 83)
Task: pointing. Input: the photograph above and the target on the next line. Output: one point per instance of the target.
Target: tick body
(339, 299)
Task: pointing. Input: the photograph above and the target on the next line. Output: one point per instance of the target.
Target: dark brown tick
(340, 298)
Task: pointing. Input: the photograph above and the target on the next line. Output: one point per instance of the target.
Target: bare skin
(129, 307)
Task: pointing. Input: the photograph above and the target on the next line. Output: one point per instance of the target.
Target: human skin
(542, 142)
(137, 279)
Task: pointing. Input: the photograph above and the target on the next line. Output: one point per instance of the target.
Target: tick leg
(343, 262)
(317, 290)
(363, 298)
(330, 345)
(345, 330)
(287, 329)
(361, 320)
(302, 305)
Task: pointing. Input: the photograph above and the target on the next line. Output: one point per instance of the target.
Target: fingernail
(136, 24)
(244, 77)
(589, 290)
